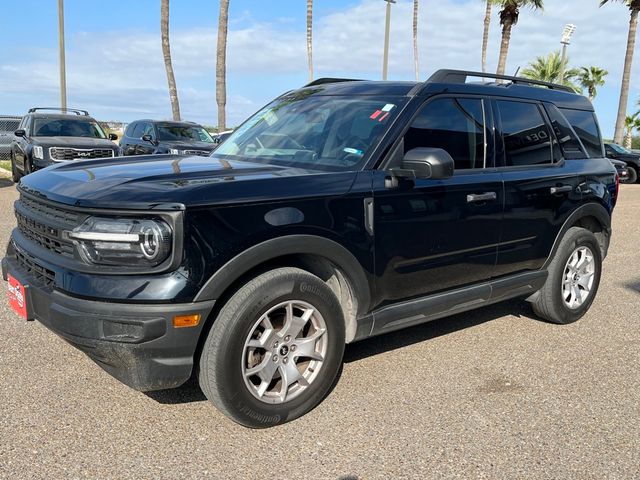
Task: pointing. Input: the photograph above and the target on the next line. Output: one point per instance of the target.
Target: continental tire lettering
(270, 419)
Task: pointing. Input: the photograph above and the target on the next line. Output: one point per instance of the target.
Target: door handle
(481, 197)
(562, 189)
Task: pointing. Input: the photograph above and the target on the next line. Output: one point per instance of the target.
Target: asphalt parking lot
(490, 394)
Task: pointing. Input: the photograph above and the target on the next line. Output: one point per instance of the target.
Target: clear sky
(115, 67)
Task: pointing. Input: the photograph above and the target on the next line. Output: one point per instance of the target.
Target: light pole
(568, 31)
(385, 61)
(63, 73)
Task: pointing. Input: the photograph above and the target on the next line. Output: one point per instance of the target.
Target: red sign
(17, 297)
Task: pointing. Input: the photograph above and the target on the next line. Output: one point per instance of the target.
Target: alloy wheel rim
(284, 352)
(577, 281)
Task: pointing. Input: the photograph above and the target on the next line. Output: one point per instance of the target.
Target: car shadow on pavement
(633, 285)
(190, 392)
(6, 182)
(430, 330)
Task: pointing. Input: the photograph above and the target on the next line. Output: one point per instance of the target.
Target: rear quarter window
(586, 127)
(567, 138)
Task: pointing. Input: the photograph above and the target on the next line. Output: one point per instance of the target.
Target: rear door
(541, 187)
(436, 235)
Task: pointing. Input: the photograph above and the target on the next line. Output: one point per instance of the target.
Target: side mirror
(20, 133)
(113, 137)
(147, 138)
(425, 163)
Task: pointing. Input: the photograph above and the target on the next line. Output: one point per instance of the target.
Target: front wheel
(574, 277)
(274, 350)
(15, 174)
(632, 176)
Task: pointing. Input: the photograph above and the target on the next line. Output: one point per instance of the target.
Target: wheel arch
(591, 216)
(325, 258)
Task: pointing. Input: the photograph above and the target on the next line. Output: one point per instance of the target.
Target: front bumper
(134, 342)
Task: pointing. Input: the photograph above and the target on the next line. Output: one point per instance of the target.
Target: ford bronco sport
(342, 210)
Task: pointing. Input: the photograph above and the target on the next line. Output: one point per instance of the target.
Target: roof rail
(63, 110)
(323, 81)
(460, 76)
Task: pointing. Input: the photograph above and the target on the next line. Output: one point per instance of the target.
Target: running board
(425, 309)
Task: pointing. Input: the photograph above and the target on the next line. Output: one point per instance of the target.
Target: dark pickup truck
(342, 210)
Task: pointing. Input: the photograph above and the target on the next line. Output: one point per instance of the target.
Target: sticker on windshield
(270, 118)
(383, 113)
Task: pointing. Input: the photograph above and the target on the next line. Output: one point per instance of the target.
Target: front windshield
(182, 133)
(619, 149)
(313, 131)
(63, 127)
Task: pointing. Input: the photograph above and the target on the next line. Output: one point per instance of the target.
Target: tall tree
(221, 64)
(310, 38)
(166, 52)
(634, 7)
(485, 35)
(548, 69)
(509, 14)
(416, 59)
(591, 78)
(631, 124)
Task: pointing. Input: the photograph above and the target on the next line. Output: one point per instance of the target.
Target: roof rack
(323, 81)
(460, 76)
(63, 110)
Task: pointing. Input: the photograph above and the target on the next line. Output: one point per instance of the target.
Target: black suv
(342, 210)
(47, 138)
(150, 137)
(616, 152)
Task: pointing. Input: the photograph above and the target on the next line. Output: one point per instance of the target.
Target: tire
(15, 174)
(558, 301)
(231, 350)
(633, 175)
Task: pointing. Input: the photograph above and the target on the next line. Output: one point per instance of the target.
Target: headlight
(174, 151)
(122, 241)
(37, 152)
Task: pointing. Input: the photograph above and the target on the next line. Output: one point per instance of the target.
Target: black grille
(59, 153)
(30, 265)
(43, 224)
(201, 153)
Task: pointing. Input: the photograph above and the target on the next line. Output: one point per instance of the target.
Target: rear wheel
(574, 277)
(274, 350)
(632, 176)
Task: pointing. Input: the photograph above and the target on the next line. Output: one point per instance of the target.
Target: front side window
(585, 125)
(527, 140)
(182, 133)
(62, 127)
(455, 125)
(330, 133)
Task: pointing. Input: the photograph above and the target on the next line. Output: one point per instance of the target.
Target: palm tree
(591, 78)
(221, 64)
(416, 61)
(485, 35)
(631, 124)
(509, 15)
(547, 69)
(310, 38)
(166, 51)
(634, 7)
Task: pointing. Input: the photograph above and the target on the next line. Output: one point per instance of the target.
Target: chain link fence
(8, 125)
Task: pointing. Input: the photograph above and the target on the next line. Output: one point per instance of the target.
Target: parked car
(622, 169)
(221, 137)
(8, 125)
(150, 137)
(617, 152)
(44, 138)
(343, 210)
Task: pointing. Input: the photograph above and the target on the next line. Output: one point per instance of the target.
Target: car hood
(174, 182)
(190, 145)
(73, 142)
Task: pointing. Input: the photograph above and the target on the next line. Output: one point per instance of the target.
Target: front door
(436, 235)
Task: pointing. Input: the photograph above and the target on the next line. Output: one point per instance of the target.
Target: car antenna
(517, 71)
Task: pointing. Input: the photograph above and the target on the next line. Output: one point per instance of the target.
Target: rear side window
(455, 125)
(569, 143)
(527, 140)
(585, 125)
